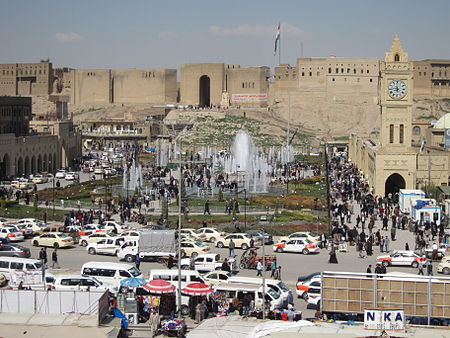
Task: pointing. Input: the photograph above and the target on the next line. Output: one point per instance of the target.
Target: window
(401, 136)
(391, 133)
(337, 70)
(196, 279)
(242, 84)
(310, 73)
(370, 80)
(123, 273)
(183, 278)
(4, 265)
(329, 70)
(333, 79)
(354, 71)
(16, 266)
(416, 130)
(303, 73)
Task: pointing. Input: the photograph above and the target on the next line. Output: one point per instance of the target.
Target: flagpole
(279, 44)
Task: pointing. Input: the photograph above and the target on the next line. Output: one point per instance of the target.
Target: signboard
(384, 319)
(447, 138)
(246, 98)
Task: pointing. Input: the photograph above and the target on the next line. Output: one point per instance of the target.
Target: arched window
(391, 133)
(397, 58)
(416, 130)
(329, 70)
(401, 136)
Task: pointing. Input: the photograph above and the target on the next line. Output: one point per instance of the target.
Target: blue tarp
(119, 314)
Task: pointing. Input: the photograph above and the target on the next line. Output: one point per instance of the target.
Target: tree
(220, 195)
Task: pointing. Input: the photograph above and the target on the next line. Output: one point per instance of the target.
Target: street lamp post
(245, 208)
(179, 235)
(53, 197)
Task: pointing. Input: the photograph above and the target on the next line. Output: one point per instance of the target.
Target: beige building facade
(47, 146)
(389, 161)
(26, 79)
(122, 86)
(203, 84)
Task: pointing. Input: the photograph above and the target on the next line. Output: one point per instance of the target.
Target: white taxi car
(210, 234)
(217, 277)
(300, 235)
(405, 258)
(12, 234)
(241, 240)
(106, 246)
(92, 238)
(54, 239)
(444, 266)
(304, 246)
(193, 249)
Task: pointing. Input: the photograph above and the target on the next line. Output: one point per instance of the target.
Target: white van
(231, 290)
(187, 276)
(110, 274)
(274, 284)
(10, 265)
(77, 283)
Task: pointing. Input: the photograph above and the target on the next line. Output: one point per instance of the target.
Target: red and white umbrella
(159, 286)
(197, 289)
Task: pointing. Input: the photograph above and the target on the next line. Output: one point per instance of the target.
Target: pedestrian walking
(137, 261)
(207, 210)
(369, 270)
(259, 268)
(429, 268)
(420, 266)
(231, 247)
(333, 258)
(153, 322)
(170, 262)
(55, 259)
(273, 268)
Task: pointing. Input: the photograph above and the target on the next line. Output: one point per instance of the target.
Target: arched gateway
(394, 183)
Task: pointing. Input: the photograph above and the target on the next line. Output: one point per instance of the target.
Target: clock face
(397, 89)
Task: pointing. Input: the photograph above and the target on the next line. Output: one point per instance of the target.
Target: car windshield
(273, 293)
(283, 286)
(198, 243)
(134, 272)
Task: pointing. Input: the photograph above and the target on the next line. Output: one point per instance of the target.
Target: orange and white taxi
(304, 246)
(405, 258)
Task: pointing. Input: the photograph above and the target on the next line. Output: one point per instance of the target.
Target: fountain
(246, 162)
(132, 175)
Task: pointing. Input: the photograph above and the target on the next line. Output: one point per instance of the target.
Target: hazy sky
(167, 33)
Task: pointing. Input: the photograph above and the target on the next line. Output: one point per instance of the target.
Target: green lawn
(25, 211)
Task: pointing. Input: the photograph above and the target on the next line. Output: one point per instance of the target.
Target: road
(293, 265)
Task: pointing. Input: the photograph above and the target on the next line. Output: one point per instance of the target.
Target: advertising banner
(447, 138)
(385, 319)
(248, 98)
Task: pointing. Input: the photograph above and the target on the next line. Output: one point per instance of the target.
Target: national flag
(277, 39)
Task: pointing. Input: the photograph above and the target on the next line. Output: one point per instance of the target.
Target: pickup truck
(207, 262)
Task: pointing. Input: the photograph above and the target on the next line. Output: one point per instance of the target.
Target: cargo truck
(151, 244)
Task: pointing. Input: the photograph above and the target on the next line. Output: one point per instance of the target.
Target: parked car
(314, 294)
(241, 240)
(39, 179)
(3, 221)
(405, 258)
(210, 234)
(217, 277)
(259, 235)
(92, 228)
(54, 239)
(303, 246)
(444, 266)
(92, 238)
(130, 235)
(77, 283)
(106, 246)
(71, 176)
(14, 250)
(300, 235)
(60, 174)
(118, 226)
(302, 287)
(12, 234)
(193, 249)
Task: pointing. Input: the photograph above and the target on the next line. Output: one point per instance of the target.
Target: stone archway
(46, 165)
(204, 91)
(4, 166)
(33, 165)
(26, 170)
(39, 164)
(20, 166)
(394, 183)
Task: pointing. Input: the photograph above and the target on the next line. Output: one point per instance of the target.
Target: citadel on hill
(328, 96)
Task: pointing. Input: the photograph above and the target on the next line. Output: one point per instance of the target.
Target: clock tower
(396, 98)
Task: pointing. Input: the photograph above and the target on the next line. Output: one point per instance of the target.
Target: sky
(116, 34)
